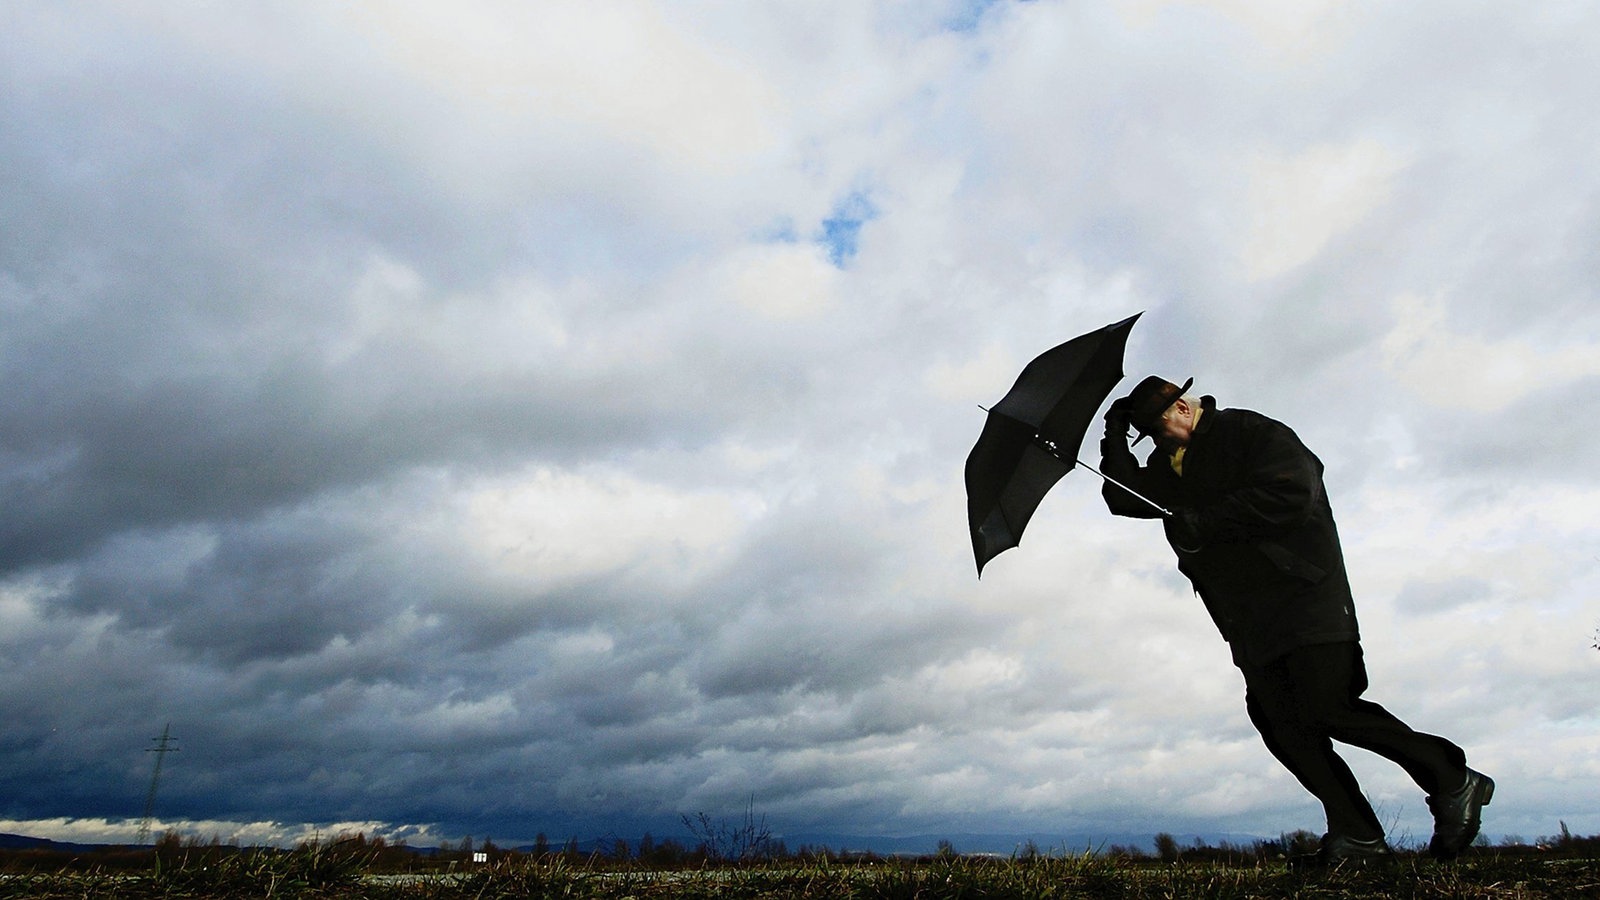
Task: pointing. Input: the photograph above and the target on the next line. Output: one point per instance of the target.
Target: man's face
(1175, 427)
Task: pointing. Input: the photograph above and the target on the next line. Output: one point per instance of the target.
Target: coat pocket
(1291, 563)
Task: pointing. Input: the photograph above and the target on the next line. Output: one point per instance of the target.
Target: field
(331, 871)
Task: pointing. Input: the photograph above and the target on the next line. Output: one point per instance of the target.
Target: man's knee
(1331, 714)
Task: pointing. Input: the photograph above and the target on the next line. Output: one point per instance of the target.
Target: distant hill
(23, 842)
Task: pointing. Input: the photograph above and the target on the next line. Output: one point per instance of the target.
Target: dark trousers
(1305, 700)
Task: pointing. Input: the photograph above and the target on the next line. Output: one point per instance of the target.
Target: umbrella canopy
(1032, 435)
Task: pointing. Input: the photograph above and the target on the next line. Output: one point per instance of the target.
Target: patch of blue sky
(967, 15)
(840, 233)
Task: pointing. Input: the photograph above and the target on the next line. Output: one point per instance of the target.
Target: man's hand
(1115, 443)
(1184, 529)
(1117, 418)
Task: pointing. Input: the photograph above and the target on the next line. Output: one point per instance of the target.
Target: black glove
(1183, 529)
(1117, 418)
(1115, 442)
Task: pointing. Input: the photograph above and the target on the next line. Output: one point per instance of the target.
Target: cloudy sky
(496, 418)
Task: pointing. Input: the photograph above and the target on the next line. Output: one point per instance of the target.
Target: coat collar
(1208, 417)
(1208, 406)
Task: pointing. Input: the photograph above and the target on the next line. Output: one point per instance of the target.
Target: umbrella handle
(1154, 505)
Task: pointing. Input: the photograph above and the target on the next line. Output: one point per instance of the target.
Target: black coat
(1269, 567)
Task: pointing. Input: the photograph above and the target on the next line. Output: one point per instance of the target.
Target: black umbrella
(1032, 435)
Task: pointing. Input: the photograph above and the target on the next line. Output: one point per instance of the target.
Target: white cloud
(547, 526)
(1300, 202)
(1429, 356)
(782, 280)
(242, 834)
(1293, 31)
(625, 69)
(991, 370)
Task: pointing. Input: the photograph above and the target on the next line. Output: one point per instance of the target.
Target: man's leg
(1456, 794)
(1280, 708)
(1330, 678)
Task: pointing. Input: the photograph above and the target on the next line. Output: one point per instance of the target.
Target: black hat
(1149, 399)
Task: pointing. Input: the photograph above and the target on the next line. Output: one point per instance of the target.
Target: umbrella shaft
(1154, 505)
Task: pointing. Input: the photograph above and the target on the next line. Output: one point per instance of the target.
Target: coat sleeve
(1118, 462)
(1280, 487)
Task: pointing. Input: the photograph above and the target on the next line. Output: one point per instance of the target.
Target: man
(1254, 533)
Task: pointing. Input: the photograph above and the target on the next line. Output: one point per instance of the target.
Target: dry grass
(329, 872)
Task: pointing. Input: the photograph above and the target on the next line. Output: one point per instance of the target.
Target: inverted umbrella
(1032, 436)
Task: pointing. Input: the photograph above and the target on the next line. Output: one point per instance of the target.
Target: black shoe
(1457, 816)
(1338, 851)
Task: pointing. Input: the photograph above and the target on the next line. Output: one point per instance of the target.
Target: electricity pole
(161, 749)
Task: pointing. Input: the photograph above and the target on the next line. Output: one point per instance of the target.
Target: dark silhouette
(1249, 519)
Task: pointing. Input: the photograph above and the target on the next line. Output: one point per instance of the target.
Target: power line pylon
(161, 749)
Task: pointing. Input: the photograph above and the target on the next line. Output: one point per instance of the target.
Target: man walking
(1254, 533)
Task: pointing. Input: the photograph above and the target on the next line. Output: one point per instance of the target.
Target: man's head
(1165, 411)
